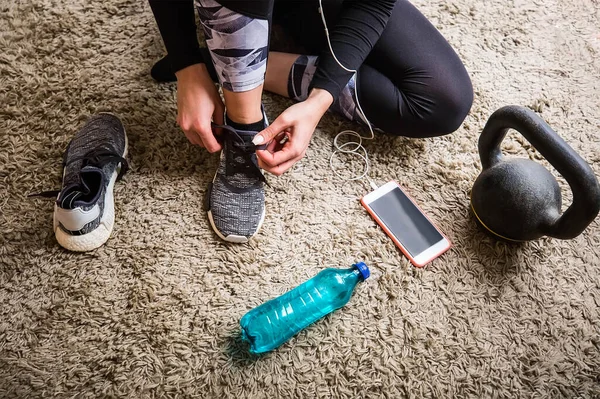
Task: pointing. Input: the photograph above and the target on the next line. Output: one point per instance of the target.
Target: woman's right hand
(198, 101)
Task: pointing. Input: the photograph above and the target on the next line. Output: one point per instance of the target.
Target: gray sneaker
(94, 160)
(235, 199)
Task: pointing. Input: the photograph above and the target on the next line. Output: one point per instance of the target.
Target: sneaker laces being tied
(241, 156)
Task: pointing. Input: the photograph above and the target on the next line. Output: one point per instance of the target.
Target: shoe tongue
(240, 135)
(85, 192)
(246, 135)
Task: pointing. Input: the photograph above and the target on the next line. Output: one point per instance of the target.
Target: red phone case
(398, 244)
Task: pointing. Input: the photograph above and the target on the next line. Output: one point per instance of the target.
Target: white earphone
(356, 146)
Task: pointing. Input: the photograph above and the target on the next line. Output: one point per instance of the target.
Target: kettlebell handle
(577, 173)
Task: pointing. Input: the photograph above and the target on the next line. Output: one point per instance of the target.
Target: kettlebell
(518, 199)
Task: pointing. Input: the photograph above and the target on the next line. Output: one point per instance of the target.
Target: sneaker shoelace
(241, 154)
(98, 157)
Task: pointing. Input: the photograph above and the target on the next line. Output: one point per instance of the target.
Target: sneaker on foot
(235, 199)
(94, 160)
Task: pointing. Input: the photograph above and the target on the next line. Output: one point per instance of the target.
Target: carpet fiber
(154, 312)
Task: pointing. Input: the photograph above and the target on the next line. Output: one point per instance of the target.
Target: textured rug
(154, 313)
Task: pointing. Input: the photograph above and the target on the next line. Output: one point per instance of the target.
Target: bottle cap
(363, 269)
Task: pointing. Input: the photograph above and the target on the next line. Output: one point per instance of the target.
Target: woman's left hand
(298, 123)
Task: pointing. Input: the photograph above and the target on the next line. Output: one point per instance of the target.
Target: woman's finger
(286, 153)
(278, 126)
(202, 129)
(284, 167)
(193, 138)
(218, 118)
(208, 139)
(277, 143)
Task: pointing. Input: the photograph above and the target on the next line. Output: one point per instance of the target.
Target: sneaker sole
(232, 237)
(97, 237)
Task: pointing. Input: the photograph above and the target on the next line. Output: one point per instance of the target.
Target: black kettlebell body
(518, 199)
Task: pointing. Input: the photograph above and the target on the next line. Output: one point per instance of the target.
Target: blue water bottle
(271, 324)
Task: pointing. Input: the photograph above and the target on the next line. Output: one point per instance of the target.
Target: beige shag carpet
(154, 313)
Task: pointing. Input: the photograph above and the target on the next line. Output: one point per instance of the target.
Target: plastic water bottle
(271, 324)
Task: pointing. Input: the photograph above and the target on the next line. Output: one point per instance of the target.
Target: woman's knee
(432, 107)
(452, 109)
(445, 112)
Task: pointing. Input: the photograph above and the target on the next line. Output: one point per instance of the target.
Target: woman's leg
(237, 36)
(279, 71)
(237, 49)
(434, 92)
(412, 84)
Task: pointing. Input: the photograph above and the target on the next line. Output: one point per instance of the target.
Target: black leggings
(411, 84)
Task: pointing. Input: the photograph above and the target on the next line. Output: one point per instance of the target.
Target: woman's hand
(198, 102)
(298, 123)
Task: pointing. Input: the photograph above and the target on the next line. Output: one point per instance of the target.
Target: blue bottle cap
(363, 269)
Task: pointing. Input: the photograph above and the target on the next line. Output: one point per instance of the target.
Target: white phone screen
(406, 222)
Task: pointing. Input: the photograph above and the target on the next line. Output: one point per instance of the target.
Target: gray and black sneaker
(84, 212)
(235, 199)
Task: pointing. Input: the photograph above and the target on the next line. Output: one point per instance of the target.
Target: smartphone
(406, 224)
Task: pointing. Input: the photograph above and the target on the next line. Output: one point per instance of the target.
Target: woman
(410, 83)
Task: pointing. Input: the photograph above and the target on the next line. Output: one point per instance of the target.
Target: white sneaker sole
(232, 237)
(100, 234)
